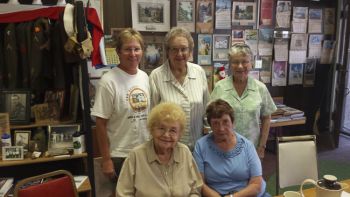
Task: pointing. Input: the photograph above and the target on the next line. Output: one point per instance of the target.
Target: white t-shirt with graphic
(124, 100)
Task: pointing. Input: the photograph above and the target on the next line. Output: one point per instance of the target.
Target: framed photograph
(12, 153)
(46, 112)
(61, 138)
(4, 123)
(56, 96)
(151, 15)
(22, 138)
(17, 104)
(244, 13)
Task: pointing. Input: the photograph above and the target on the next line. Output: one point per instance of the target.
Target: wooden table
(311, 192)
(288, 123)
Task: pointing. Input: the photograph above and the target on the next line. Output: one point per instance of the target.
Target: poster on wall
(266, 12)
(151, 15)
(283, 12)
(205, 16)
(221, 47)
(295, 74)
(223, 14)
(204, 49)
(153, 54)
(279, 77)
(185, 14)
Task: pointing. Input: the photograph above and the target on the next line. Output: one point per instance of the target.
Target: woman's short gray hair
(178, 32)
(240, 49)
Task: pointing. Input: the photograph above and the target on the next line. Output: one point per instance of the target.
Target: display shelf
(288, 123)
(41, 160)
(43, 124)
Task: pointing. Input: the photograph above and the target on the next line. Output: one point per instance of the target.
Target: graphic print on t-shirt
(138, 99)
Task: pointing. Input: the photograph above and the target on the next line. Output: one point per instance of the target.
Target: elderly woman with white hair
(162, 166)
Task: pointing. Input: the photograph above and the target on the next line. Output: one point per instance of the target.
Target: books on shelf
(285, 113)
(5, 185)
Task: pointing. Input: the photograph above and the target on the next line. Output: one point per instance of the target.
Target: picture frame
(61, 138)
(22, 138)
(151, 15)
(244, 14)
(4, 123)
(17, 104)
(46, 112)
(12, 153)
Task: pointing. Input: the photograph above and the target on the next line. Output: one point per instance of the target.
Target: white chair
(296, 160)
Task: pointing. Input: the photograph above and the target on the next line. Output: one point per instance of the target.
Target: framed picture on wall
(17, 104)
(151, 15)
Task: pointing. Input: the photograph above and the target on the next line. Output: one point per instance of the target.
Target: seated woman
(162, 166)
(228, 162)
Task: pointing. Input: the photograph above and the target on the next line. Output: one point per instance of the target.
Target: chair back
(296, 160)
(53, 184)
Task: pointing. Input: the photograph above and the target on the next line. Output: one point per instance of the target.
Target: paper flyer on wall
(266, 12)
(279, 76)
(221, 46)
(315, 45)
(309, 72)
(298, 42)
(329, 21)
(265, 42)
(281, 49)
(295, 76)
(204, 49)
(283, 12)
(251, 39)
(244, 14)
(151, 15)
(299, 21)
(205, 16)
(327, 51)
(223, 14)
(185, 14)
(237, 36)
(315, 21)
(265, 72)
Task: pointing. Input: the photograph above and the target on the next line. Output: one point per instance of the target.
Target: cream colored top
(142, 174)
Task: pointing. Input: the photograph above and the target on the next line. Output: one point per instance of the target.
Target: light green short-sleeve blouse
(255, 102)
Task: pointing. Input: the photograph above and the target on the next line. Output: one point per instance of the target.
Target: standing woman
(181, 82)
(122, 104)
(250, 99)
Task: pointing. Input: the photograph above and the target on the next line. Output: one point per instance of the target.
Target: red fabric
(54, 188)
(53, 13)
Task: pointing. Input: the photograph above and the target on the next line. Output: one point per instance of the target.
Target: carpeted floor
(335, 162)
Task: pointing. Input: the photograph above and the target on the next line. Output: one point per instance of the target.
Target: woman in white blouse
(181, 82)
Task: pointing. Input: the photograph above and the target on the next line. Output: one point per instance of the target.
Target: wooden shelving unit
(41, 160)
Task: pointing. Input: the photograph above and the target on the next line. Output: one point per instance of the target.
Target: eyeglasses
(244, 62)
(172, 131)
(130, 50)
(176, 50)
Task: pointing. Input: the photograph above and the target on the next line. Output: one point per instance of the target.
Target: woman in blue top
(228, 162)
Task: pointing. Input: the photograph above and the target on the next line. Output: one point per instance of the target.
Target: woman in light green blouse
(162, 166)
(250, 99)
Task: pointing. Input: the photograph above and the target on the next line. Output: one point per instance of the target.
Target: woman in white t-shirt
(122, 103)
